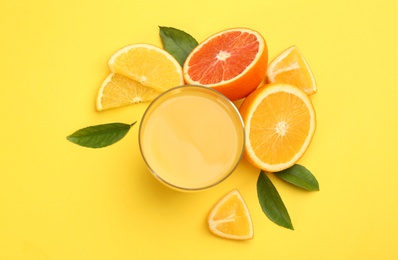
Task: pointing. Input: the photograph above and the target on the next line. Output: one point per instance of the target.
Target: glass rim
(227, 102)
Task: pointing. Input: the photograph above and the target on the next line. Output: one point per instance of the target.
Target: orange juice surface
(191, 137)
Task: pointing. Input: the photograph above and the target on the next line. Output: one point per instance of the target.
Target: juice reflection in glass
(191, 137)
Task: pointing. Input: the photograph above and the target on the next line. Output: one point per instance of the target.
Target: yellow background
(62, 201)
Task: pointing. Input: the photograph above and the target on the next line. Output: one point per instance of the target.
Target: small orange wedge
(291, 67)
(230, 218)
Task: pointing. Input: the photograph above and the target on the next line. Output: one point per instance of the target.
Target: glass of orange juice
(191, 137)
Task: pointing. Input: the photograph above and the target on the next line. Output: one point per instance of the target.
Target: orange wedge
(149, 65)
(117, 91)
(291, 67)
(279, 124)
(233, 62)
(230, 218)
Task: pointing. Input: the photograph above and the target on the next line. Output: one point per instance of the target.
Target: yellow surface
(61, 201)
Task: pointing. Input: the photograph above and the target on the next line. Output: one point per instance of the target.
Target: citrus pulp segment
(230, 218)
(149, 65)
(233, 62)
(279, 123)
(291, 67)
(117, 91)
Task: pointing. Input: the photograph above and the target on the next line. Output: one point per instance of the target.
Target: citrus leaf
(176, 42)
(299, 176)
(99, 136)
(271, 203)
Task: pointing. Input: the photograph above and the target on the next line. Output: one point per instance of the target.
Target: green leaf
(178, 43)
(271, 203)
(300, 176)
(99, 136)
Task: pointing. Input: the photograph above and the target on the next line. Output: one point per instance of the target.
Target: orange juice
(191, 137)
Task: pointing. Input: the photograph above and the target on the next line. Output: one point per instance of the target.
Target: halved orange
(230, 218)
(279, 123)
(233, 62)
(117, 91)
(149, 65)
(291, 67)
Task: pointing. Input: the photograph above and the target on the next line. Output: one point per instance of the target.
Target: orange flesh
(293, 69)
(279, 127)
(296, 75)
(221, 59)
(231, 213)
